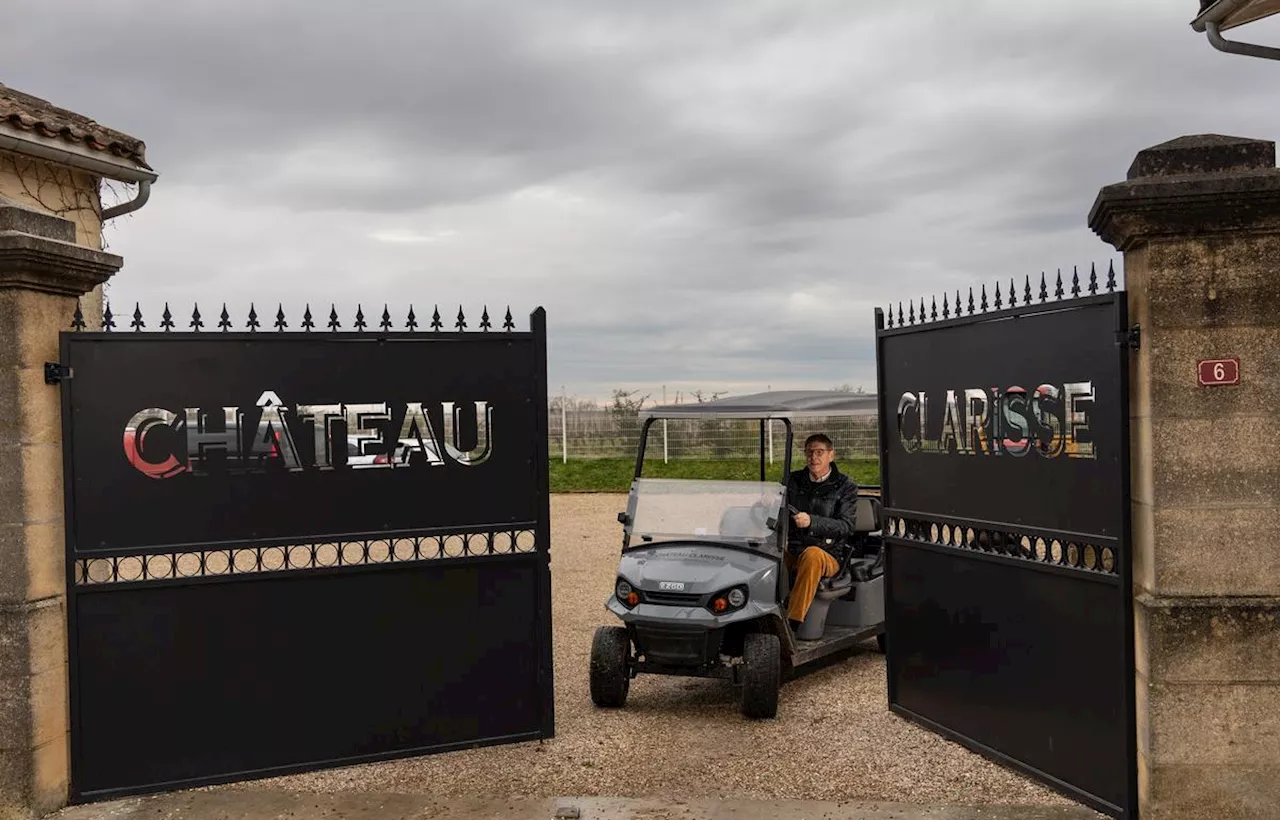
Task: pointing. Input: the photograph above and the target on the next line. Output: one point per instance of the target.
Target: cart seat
(866, 567)
(855, 568)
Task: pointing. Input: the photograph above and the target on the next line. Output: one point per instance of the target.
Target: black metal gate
(291, 550)
(1005, 460)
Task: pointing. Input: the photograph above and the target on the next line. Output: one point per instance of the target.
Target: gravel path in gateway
(833, 738)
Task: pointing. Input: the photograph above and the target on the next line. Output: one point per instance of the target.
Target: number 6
(1219, 372)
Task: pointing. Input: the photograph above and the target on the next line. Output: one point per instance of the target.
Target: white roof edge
(76, 156)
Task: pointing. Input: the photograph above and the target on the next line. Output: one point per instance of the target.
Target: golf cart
(701, 588)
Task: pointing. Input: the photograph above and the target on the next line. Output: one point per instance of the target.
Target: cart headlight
(627, 596)
(729, 600)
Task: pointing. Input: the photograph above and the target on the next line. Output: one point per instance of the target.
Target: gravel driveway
(833, 739)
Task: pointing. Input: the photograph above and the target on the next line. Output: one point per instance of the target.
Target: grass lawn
(613, 475)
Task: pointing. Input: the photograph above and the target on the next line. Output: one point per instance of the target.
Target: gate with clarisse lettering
(1005, 472)
(298, 549)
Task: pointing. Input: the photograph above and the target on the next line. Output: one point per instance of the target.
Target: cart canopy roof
(776, 404)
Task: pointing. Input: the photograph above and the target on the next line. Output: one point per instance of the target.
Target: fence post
(564, 426)
(664, 427)
(769, 389)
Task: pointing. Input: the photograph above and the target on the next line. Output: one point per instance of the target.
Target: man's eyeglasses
(817, 451)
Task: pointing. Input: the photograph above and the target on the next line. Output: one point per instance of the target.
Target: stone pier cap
(1202, 184)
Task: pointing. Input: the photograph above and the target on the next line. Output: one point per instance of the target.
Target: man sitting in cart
(823, 502)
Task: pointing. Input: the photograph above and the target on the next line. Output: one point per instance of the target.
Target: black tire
(610, 677)
(880, 642)
(761, 675)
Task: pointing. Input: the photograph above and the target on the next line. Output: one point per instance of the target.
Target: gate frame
(1126, 339)
(58, 372)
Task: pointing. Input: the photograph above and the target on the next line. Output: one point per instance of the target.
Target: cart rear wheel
(610, 677)
(880, 642)
(761, 675)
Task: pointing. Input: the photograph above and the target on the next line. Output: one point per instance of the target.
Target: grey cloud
(460, 86)
(747, 178)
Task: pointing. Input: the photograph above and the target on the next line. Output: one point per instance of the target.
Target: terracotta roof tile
(24, 112)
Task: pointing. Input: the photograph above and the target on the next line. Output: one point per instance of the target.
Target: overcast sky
(702, 195)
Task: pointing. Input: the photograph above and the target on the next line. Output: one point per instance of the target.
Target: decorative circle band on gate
(1029, 547)
(256, 560)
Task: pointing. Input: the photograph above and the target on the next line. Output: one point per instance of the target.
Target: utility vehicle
(701, 587)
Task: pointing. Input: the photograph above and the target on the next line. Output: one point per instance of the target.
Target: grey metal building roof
(773, 404)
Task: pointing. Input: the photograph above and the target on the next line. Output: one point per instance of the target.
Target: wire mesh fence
(608, 433)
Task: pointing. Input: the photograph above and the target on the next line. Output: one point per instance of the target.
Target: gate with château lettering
(296, 549)
(1005, 471)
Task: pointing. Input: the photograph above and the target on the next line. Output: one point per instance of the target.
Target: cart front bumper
(676, 645)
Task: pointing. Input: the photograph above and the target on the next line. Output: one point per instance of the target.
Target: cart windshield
(733, 512)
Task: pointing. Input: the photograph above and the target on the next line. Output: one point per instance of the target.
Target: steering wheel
(760, 515)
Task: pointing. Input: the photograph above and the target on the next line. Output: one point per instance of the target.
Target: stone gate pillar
(53, 163)
(1198, 221)
(42, 273)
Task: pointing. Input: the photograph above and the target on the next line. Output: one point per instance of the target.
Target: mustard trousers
(812, 566)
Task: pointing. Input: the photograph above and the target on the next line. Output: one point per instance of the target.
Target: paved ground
(276, 805)
(677, 740)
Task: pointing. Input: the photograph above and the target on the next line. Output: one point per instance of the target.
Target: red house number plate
(1219, 372)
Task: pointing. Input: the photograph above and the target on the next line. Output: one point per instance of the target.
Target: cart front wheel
(880, 642)
(761, 675)
(610, 677)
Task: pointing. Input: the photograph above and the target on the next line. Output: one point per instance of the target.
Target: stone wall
(1199, 222)
(54, 189)
(73, 195)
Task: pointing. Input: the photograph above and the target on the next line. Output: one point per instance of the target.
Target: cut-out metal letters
(1052, 420)
(195, 443)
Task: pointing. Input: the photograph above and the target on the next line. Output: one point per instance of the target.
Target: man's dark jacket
(831, 505)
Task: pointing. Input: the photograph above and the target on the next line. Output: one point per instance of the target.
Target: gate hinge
(55, 373)
(1131, 338)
